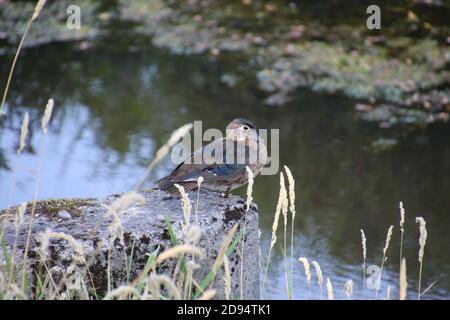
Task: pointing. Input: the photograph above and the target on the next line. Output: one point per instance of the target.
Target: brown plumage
(222, 163)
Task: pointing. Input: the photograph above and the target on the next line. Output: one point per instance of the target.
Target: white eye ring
(245, 128)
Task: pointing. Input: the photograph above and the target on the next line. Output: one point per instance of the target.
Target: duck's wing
(212, 168)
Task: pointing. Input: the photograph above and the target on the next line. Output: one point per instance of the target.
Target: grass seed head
(422, 237)
(330, 290)
(37, 9)
(364, 243)
(307, 269)
(47, 115)
(23, 133)
(388, 240)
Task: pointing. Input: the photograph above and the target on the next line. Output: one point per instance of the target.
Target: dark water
(113, 108)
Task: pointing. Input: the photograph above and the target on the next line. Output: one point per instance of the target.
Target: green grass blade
(148, 265)
(40, 290)
(130, 261)
(174, 242)
(8, 260)
(172, 235)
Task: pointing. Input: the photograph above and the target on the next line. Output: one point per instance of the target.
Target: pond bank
(284, 48)
(400, 75)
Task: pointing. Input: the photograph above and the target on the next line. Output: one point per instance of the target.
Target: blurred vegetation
(401, 72)
(49, 27)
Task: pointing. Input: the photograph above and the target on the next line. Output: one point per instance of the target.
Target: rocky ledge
(145, 228)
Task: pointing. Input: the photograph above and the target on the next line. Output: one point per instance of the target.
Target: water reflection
(114, 107)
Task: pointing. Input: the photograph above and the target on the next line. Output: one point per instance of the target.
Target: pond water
(114, 107)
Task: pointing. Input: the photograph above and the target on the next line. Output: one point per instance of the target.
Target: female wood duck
(222, 163)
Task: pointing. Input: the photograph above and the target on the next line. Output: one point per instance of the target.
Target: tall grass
(282, 198)
(247, 208)
(364, 252)
(402, 232)
(422, 242)
(37, 10)
(163, 151)
(348, 286)
(291, 181)
(44, 127)
(403, 283)
(330, 292)
(319, 276)
(386, 246)
(284, 212)
(307, 268)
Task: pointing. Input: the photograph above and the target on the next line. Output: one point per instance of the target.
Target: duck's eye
(245, 128)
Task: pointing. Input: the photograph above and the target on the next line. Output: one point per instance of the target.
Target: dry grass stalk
(49, 278)
(155, 282)
(386, 246)
(364, 250)
(249, 188)
(117, 209)
(291, 181)
(307, 268)
(17, 221)
(423, 237)
(13, 292)
(284, 211)
(193, 235)
(402, 217)
(23, 133)
(330, 290)
(47, 115)
(208, 294)
(37, 9)
(388, 240)
(348, 288)
(403, 283)
(388, 293)
(187, 207)
(227, 278)
(190, 267)
(18, 217)
(281, 202)
(115, 229)
(422, 242)
(247, 208)
(45, 237)
(164, 150)
(282, 198)
(364, 244)
(178, 250)
(36, 13)
(319, 275)
(122, 293)
(35, 193)
(402, 232)
(199, 184)
(71, 277)
(222, 252)
(284, 204)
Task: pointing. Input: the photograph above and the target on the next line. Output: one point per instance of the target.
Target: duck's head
(241, 129)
